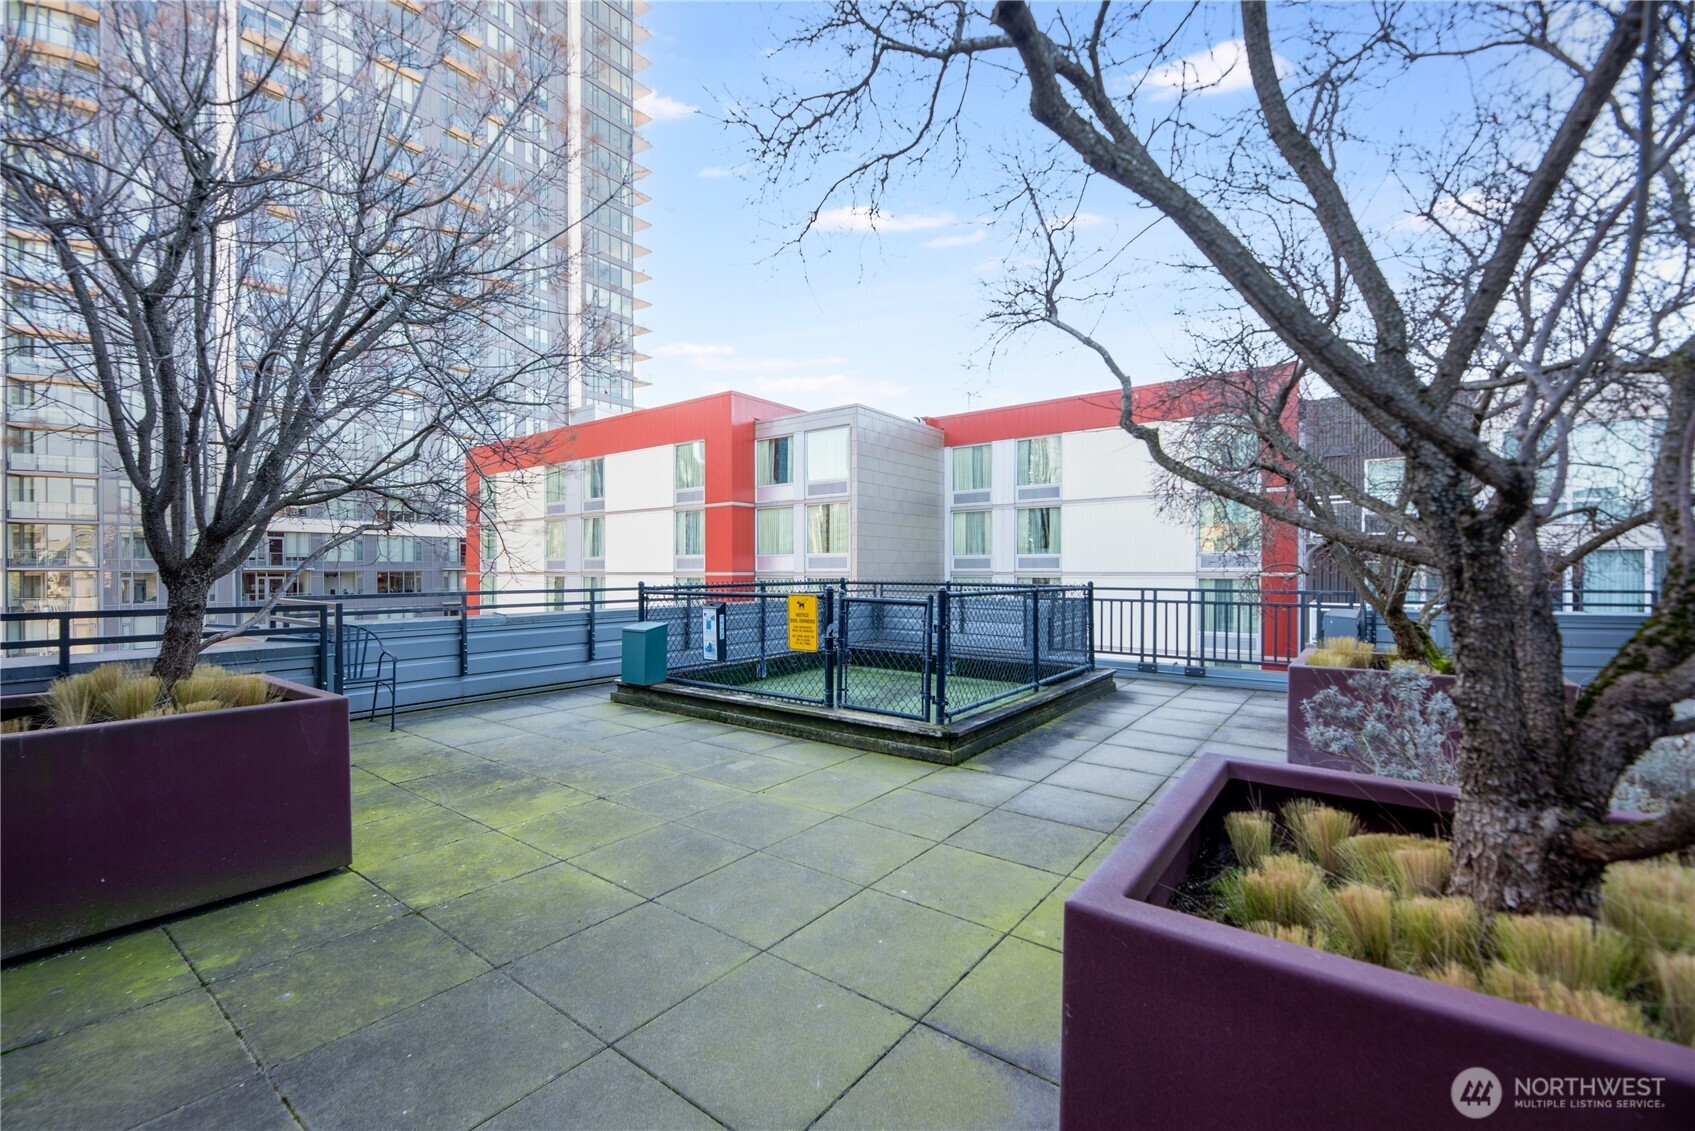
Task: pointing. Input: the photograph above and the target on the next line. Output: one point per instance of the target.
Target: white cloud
(858, 218)
(964, 239)
(662, 109)
(1454, 213)
(713, 172)
(1219, 69)
(691, 350)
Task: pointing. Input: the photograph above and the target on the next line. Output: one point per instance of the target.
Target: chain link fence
(927, 652)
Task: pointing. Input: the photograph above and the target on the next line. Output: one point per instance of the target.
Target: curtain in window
(971, 534)
(971, 468)
(772, 459)
(594, 479)
(1612, 579)
(691, 533)
(691, 465)
(1038, 530)
(774, 531)
(594, 538)
(1038, 461)
(1227, 527)
(826, 526)
(827, 455)
(556, 483)
(556, 539)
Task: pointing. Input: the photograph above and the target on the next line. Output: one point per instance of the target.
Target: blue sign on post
(714, 622)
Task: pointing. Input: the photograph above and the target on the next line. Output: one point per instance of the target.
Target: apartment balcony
(16, 509)
(38, 461)
(50, 559)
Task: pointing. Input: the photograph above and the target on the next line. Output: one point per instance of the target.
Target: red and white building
(731, 487)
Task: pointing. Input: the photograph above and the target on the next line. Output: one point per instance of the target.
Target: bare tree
(304, 263)
(1545, 281)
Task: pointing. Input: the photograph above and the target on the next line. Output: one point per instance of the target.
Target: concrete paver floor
(567, 913)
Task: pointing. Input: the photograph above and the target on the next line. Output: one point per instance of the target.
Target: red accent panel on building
(725, 421)
(1089, 411)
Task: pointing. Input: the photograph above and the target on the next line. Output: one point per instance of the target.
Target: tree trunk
(185, 622)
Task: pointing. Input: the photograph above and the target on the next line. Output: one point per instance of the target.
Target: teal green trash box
(644, 653)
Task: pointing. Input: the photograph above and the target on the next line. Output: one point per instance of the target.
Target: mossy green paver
(850, 849)
(524, 914)
(751, 771)
(416, 830)
(1095, 858)
(455, 729)
(1134, 739)
(759, 898)
(995, 893)
(768, 1045)
(402, 766)
(1072, 807)
(124, 1071)
(756, 821)
(838, 788)
(380, 802)
(312, 997)
(1132, 785)
(927, 815)
(622, 973)
(1031, 841)
(976, 786)
(679, 796)
(1045, 926)
(54, 995)
(457, 785)
(501, 711)
(425, 879)
(814, 754)
(523, 801)
(605, 775)
(1131, 758)
(451, 1061)
(582, 828)
(1175, 726)
(692, 730)
(748, 741)
(598, 732)
(1009, 1006)
(252, 1105)
(607, 1091)
(894, 952)
(680, 757)
(1015, 764)
(930, 1081)
(246, 935)
(654, 862)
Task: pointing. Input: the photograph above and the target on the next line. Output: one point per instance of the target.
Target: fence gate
(885, 655)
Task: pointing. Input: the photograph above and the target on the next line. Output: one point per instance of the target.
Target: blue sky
(892, 319)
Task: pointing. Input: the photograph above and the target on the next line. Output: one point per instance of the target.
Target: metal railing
(1194, 629)
(929, 652)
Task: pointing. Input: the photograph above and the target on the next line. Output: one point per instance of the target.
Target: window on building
(771, 461)
(826, 523)
(342, 584)
(1038, 530)
(137, 588)
(1227, 527)
(39, 544)
(453, 580)
(1038, 461)
(774, 531)
(556, 538)
(971, 534)
(594, 478)
(826, 455)
(1039, 581)
(971, 468)
(32, 496)
(296, 548)
(1383, 478)
(489, 548)
(690, 463)
(353, 550)
(399, 548)
(400, 581)
(130, 543)
(690, 533)
(556, 586)
(556, 483)
(594, 537)
(1230, 605)
(1613, 581)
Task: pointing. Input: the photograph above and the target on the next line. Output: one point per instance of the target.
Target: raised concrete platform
(946, 745)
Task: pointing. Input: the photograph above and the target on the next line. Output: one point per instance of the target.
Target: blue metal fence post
(1035, 638)
(464, 635)
(1089, 624)
(940, 628)
(323, 647)
(828, 622)
(641, 600)
(929, 660)
(64, 644)
(761, 598)
(338, 638)
(591, 626)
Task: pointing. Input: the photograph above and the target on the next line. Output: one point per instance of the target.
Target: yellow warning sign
(803, 622)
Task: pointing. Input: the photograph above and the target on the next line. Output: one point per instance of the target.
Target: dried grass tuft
(1453, 974)
(1250, 835)
(1652, 901)
(134, 698)
(18, 725)
(72, 701)
(199, 705)
(1361, 922)
(1369, 858)
(1569, 949)
(1433, 932)
(1674, 979)
(1318, 830)
(1300, 936)
(1284, 889)
(247, 691)
(1555, 996)
(1422, 870)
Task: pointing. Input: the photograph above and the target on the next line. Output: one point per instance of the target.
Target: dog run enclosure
(932, 653)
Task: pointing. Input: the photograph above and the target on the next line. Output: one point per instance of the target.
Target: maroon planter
(1177, 1021)
(1305, 681)
(106, 825)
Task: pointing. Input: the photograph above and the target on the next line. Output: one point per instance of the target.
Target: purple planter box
(1305, 681)
(106, 825)
(1177, 1021)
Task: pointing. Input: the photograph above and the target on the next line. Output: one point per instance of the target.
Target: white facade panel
(639, 480)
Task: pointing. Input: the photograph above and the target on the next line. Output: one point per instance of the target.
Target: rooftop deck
(567, 913)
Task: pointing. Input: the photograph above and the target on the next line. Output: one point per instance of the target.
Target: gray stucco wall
(897, 498)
